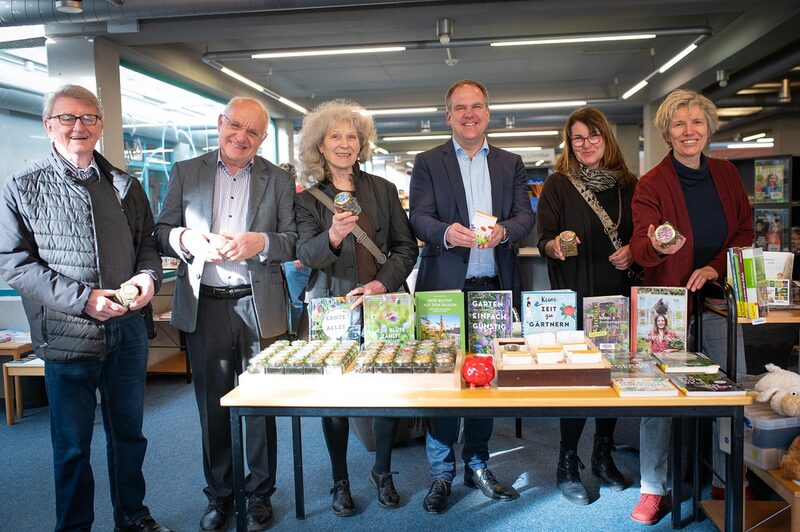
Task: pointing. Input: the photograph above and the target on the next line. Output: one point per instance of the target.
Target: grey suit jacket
(190, 203)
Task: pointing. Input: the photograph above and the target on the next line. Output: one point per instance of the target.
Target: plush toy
(478, 371)
(782, 389)
(790, 462)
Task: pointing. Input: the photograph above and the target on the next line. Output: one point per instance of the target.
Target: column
(786, 132)
(628, 140)
(654, 146)
(284, 130)
(94, 64)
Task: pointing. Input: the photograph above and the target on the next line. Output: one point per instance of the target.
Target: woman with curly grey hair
(335, 138)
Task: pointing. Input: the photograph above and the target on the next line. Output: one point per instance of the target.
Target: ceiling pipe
(752, 100)
(769, 67)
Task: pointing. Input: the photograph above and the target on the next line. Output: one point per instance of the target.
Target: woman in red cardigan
(704, 199)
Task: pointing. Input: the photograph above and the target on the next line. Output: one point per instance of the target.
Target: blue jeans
(296, 281)
(71, 390)
(441, 436)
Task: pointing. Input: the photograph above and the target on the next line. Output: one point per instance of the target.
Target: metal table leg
(675, 468)
(734, 475)
(297, 447)
(237, 450)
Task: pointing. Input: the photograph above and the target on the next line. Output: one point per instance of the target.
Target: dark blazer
(335, 272)
(438, 199)
(190, 203)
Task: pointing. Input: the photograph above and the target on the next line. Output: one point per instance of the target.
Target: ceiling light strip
(571, 40)
(325, 51)
(415, 137)
(250, 83)
(669, 64)
(536, 105)
(754, 137)
(636, 88)
(550, 133)
(406, 111)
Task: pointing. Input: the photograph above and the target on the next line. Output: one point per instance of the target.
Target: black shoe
(435, 501)
(568, 477)
(259, 512)
(217, 516)
(484, 479)
(603, 465)
(144, 524)
(387, 495)
(342, 504)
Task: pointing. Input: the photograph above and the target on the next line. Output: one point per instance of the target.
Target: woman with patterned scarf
(590, 193)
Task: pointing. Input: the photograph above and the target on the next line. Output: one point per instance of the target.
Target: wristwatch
(505, 233)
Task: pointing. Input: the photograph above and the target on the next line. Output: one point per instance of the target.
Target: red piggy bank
(478, 371)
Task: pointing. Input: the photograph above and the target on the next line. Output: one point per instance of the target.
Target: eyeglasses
(579, 141)
(69, 120)
(237, 127)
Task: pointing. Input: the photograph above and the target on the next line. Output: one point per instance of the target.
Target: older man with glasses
(229, 218)
(74, 230)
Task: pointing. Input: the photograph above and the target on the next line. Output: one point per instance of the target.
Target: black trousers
(225, 338)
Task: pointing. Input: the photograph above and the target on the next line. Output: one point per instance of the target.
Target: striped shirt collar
(248, 166)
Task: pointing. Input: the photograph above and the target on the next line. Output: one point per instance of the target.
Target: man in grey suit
(229, 217)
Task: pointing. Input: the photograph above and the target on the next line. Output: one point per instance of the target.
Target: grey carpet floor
(174, 478)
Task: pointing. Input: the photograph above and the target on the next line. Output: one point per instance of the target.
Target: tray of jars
(571, 360)
(317, 364)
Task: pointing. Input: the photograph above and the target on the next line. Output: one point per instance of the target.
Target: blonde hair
(684, 98)
(316, 125)
(613, 159)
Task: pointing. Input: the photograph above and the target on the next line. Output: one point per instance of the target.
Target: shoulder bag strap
(360, 234)
(608, 226)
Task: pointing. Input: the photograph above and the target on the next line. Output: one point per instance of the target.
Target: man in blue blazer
(229, 217)
(449, 184)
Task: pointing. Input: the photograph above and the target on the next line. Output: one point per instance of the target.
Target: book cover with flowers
(389, 317)
(606, 322)
(440, 316)
(488, 317)
(549, 310)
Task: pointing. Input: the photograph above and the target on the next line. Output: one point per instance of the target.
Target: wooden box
(547, 374)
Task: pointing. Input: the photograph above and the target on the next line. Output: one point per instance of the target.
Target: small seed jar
(126, 294)
(569, 243)
(217, 241)
(347, 202)
(666, 234)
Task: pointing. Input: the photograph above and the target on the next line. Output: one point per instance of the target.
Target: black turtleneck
(709, 225)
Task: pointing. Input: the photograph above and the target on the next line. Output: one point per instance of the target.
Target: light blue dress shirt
(478, 189)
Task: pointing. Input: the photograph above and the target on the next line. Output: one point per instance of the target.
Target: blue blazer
(438, 199)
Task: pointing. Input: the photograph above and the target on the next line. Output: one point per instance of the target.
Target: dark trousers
(71, 391)
(225, 338)
(572, 428)
(443, 431)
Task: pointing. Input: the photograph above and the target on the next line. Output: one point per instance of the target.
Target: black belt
(482, 281)
(226, 292)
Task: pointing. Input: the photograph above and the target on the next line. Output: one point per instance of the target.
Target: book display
(606, 322)
(548, 310)
(747, 276)
(440, 316)
(488, 317)
(656, 386)
(659, 319)
(332, 318)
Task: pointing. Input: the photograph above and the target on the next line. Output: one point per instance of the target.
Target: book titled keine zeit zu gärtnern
(548, 310)
(332, 318)
(440, 316)
(488, 317)
(389, 317)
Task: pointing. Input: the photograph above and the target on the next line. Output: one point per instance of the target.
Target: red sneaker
(718, 493)
(651, 508)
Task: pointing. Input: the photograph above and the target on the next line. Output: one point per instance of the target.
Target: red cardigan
(659, 198)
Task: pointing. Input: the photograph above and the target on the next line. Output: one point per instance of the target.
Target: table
(505, 402)
(15, 350)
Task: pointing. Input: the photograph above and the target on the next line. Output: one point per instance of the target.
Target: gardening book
(440, 315)
(755, 282)
(685, 362)
(659, 319)
(606, 323)
(389, 317)
(331, 318)
(706, 384)
(488, 317)
(656, 386)
(548, 310)
(633, 365)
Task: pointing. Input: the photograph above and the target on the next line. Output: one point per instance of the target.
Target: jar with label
(666, 234)
(346, 202)
(569, 243)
